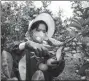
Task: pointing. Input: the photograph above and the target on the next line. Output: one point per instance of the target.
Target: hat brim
(48, 20)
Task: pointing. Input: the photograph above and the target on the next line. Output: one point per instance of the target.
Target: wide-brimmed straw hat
(47, 19)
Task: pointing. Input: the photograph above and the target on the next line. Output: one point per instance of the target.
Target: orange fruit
(43, 66)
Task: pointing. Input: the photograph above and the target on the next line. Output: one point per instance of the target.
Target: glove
(39, 49)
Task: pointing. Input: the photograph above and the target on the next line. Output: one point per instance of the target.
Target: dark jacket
(31, 63)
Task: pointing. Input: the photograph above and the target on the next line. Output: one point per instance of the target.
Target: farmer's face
(40, 32)
(41, 28)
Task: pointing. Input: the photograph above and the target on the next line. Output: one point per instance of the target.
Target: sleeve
(58, 70)
(55, 42)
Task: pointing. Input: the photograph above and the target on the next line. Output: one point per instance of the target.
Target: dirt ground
(71, 65)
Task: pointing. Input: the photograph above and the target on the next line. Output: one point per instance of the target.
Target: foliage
(80, 22)
(16, 17)
(15, 20)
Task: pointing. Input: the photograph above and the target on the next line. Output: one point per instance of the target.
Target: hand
(34, 45)
(52, 62)
(39, 49)
(42, 50)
